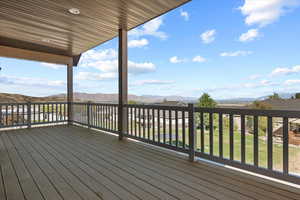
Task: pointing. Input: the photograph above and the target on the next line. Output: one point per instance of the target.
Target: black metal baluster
(158, 125)
(23, 110)
(6, 115)
(139, 116)
(176, 127)
(131, 120)
(17, 114)
(231, 137)
(164, 125)
(149, 126)
(135, 122)
(285, 146)
(65, 111)
(33, 118)
(115, 116)
(153, 125)
(202, 131)
(170, 127)
(111, 117)
(1, 117)
(270, 143)
(255, 142)
(144, 123)
(183, 128)
(220, 135)
(12, 115)
(211, 134)
(243, 139)
(52, 109)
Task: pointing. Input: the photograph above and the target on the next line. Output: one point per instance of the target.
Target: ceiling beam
(76, 60)
(11, 52)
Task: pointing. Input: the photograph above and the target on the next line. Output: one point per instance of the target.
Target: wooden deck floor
(73, 163)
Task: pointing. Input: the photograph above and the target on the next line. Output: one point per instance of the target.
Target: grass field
(294, 151)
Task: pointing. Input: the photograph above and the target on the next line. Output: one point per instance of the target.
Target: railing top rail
(102, 104)
(25, 103)
(178, 108)
(254, 112)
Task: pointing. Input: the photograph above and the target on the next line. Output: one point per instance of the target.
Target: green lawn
(294, 152)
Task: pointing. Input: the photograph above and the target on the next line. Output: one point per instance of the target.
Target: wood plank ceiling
(47, 25)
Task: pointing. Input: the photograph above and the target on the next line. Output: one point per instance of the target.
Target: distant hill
(17, 98)
(236, 101)
(113, 98)
(97, 97)
(249, 100)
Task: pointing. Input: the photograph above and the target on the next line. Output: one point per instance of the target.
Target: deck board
(12, 186)
(64, 162)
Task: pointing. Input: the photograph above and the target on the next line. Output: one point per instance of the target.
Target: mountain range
(113, 98)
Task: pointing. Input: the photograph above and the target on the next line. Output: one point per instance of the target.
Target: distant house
(283, 104)
(294, 131)
(172, 103)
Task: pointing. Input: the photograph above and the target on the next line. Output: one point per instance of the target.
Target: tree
(262, 121)
(205, 101)
(275, 96)
(297, 96)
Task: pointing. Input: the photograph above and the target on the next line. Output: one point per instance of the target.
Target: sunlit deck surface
(69, 162)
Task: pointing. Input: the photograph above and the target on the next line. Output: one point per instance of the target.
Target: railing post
(28, 115)
(88, 115)
(191, 132)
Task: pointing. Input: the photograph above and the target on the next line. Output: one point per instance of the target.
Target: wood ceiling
(47, 26)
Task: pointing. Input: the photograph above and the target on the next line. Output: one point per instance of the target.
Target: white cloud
(285, 70)
(185, 15)
(106, 61)
(243, 86)
(175, 59)
(150, 28)
(96, 55)
(199, 59)
(138, 43)
(254, 76)
(28, 81)
(208, 36)
(250, 35)
(264, 12)
(153, 82)
(91, 76)
(140, 68)
(235, 53)
(53, 66)
(292, 82)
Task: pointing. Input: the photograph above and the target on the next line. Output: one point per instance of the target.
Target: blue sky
(228, 48)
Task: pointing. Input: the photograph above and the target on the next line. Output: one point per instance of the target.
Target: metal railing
(101, 116)
(261, 141)
(29, 114)
(250, 139)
